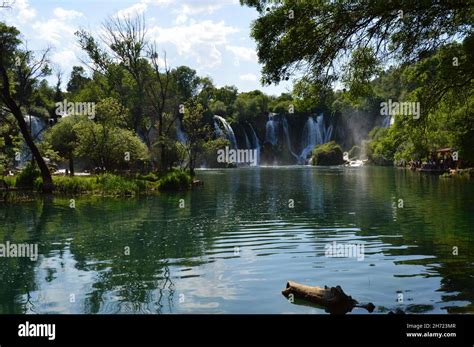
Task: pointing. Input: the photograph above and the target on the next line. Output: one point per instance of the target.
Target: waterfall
(314, 133)
(255, 143)
(271, 129)
(247, 141)
(310, 138)
(180, 134)
(286, 133)
(36, 126)
(228, 132)
(387, 121)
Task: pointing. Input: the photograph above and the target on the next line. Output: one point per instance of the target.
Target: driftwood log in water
(332, 298)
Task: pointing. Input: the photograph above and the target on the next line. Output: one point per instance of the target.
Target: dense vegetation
(375, 49)
(327, 154)
(370, 48)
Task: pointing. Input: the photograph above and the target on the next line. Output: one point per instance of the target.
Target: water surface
(240, 237)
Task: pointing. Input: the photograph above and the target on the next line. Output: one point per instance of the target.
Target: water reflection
(238, 240)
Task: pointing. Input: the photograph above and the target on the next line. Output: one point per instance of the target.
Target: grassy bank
(107, 184)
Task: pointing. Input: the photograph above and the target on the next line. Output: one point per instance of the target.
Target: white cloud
(202, 40)
(242, 53)
(249, 77)
(191, 8)
(140, 8)
(55, 31)
(66, 14)
(58, 30)
(21, 11)
(132, 11)
(65, 58)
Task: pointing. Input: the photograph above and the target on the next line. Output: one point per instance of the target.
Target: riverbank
(104, 184)
(459, 173)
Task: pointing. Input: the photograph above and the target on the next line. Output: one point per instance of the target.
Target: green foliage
(197, 132)
(104, 143)
(381, 146)
(176, 180)
(10, 181)
(62, 137)
(27, 177)
(210, 149)
(116, 185)
(250, 105)
(74, 185)
(360, 71)
(284, 29)
(150, 177)
(442, 84)
(104, 184)
(327, 154)
(77, 80)
(186, 81)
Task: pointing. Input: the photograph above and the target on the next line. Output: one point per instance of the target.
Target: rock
(327, 154)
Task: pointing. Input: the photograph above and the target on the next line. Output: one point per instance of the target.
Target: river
(231, 245)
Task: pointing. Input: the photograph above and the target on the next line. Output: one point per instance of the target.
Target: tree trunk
(71, 166)
(333, 299)
(48, 185)
(15, 110)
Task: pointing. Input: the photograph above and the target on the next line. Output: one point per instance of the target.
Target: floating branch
(332, 298)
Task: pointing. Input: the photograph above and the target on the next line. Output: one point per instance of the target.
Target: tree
(9, 141)
(187, 82)
(138, 62)
(102, 140)
(77, 80)
(19, 73)
(197, 132)
(250, 105)
(63, 139)
(403, 31)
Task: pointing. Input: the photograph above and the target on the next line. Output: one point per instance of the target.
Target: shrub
(116, 185)
(74, 185)
(27, 177)
(175, 181)
(10, 181)
(150, 177)
(328, 154)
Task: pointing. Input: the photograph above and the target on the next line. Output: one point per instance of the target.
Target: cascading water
(387, 121)
(271, 134)
(311, 137)
(247, 141)
(180, 134)
(36, 126)
(272, 130)
(255, 143)
(286, 133)
(314, 133)
(228, 131)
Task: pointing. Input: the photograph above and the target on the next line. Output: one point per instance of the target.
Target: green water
(240, 237)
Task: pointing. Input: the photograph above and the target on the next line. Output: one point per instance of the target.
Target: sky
(210, 36)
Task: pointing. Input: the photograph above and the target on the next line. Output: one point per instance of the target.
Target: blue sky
(210, 36)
